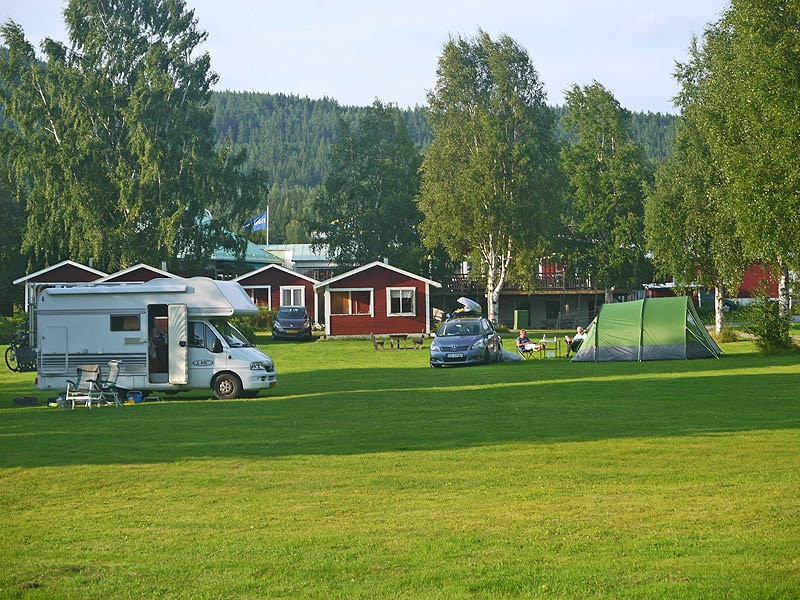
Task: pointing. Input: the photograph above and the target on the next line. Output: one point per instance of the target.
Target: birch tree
(608, 175)
(491, 184)
(750, 102)
(692, 236)
(113, 150)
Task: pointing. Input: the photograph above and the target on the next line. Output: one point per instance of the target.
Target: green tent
(649, 329)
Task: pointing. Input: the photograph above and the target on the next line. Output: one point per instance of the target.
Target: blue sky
(355, 51)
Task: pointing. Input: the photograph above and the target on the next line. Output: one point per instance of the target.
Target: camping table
(554, 340)
(397, 338)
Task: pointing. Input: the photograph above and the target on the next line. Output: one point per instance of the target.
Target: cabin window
(351, 302)
(293, 296)
(125, 323)
(401, 301)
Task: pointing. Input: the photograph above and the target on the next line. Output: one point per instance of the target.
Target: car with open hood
(466, 338)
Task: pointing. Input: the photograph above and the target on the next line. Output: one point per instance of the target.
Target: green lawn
(367, 474)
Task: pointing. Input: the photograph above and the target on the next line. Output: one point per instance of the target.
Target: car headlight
(258, 366)
(478, 345)
(434, 346)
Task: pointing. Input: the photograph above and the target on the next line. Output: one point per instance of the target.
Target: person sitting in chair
(573, 343)
(524, 344)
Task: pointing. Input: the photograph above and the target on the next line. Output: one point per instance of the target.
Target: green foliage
(249, 326)
(10, 325)
(366, 210)
(745, 99)
(608, 175)
(111, 147)
(762, 318)
(491, 183)
(726, 336)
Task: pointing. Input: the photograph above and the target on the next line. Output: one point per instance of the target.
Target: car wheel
(226, 386)
(434, 366)
(487, 356)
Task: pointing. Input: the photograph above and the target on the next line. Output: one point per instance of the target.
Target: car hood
(290, 322)
(456, 340)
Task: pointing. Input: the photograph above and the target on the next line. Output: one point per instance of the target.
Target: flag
(257, 223)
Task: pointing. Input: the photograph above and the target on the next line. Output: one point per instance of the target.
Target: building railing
(554, 281)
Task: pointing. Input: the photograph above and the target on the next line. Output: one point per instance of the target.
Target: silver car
(466, 341)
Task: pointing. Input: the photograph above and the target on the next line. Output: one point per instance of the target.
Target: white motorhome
(169, 334)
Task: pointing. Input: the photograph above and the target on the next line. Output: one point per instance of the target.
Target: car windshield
(292, 312)
(233, 337)
(459, 328)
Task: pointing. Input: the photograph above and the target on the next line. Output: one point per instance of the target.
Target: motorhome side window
(125, 323)
(202, 336)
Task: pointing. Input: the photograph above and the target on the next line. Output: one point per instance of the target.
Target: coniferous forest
(290, 137)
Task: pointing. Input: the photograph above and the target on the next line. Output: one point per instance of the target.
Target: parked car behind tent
(649, 329)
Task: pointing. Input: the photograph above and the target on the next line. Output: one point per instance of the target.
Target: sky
(357, 51)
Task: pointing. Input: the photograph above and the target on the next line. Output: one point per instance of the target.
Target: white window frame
(250, 289)
(291, 289)
(400, 290)
(350, 292)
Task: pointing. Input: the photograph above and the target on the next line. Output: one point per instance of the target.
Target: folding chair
(109, 393)
(84, 390)
(531, 353)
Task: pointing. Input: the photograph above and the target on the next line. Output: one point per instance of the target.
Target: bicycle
(20, 357)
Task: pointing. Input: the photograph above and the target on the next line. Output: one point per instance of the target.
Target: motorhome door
(178, 347)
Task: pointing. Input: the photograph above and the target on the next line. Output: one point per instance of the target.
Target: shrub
(726, 335)
(765, 322)
(9, 326)
(260, 322)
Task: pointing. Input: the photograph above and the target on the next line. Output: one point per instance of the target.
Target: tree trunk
(719, 308)
(784, 302)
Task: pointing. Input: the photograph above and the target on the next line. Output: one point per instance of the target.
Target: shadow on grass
(358, 410)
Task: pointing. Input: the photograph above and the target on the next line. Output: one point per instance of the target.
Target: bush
(765, 322)
(725, 336)
(261, 322)
(9, 326)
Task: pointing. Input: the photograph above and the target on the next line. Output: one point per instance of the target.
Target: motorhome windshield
(233, 337)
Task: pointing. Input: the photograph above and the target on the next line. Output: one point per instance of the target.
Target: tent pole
(641, 331)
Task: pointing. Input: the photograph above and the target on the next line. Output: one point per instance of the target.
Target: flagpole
(266, 229)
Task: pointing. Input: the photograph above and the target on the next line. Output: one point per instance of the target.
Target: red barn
(377, 298)
(276, 286)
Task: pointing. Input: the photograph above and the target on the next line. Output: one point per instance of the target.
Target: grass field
(369, 475)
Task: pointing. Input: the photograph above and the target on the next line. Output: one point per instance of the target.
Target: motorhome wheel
(227, 385)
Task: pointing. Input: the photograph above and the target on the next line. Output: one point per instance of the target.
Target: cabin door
(178, 347)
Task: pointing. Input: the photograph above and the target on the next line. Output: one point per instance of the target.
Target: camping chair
(109, 394)
(526, 353)
(84, 390)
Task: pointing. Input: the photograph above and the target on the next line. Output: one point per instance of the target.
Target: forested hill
(289, 137)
